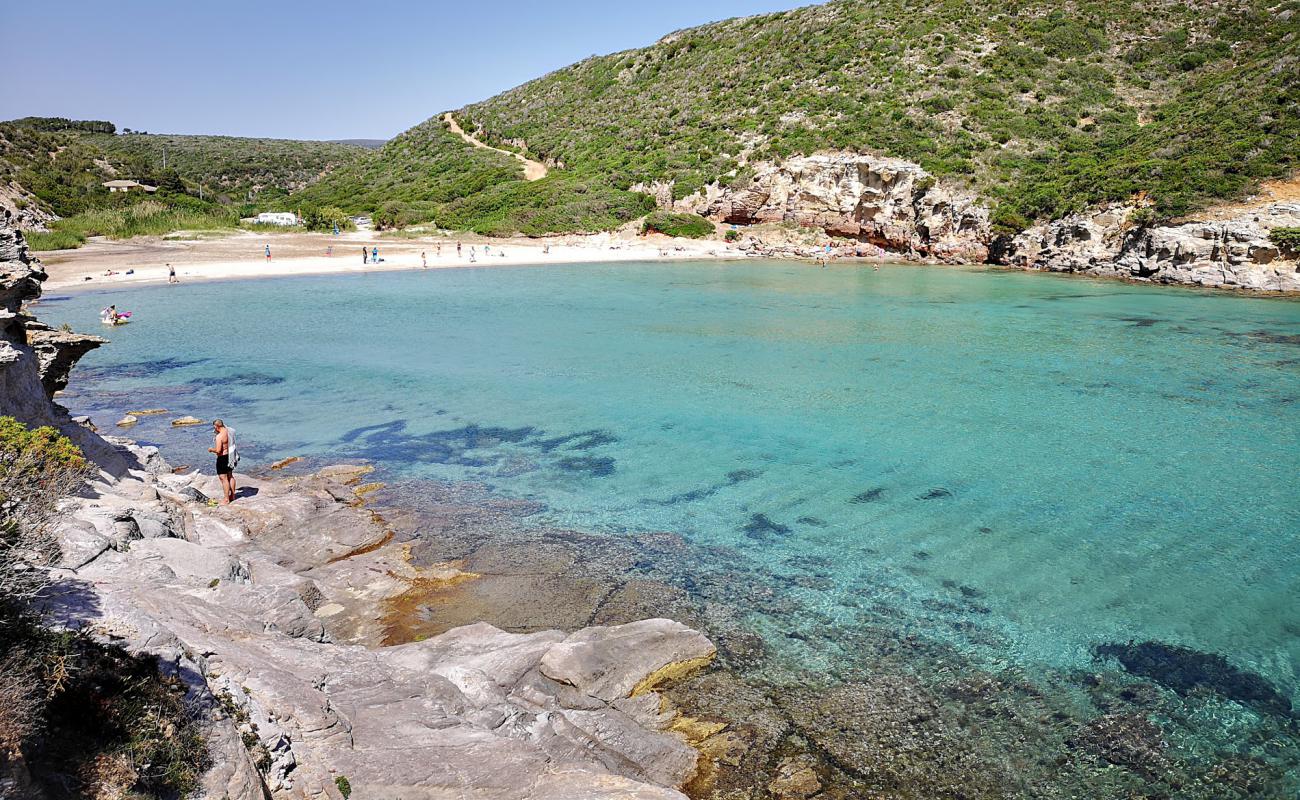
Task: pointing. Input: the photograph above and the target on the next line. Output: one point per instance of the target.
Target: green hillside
(428, 173)
(205, 182)
(1043, 107)
(45, 153)
(238, 167)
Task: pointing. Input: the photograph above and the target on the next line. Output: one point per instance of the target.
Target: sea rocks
(1128, 740)
(58, 352)
(1231, 253)
(34, 359)
(473, 711)
(127, 421)
(182, 422)
(1186, 670)
(608, 663)
(796, 780)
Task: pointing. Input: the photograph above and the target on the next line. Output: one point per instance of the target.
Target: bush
(1286, 239)
(691, 226)
(87, 719)
(732, 235)
(1007, 222)
(325, 219)
(143, 218)
(37, 467)
(92, 720)
(1143, 217)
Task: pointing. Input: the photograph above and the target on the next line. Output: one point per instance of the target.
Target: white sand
(241, 255)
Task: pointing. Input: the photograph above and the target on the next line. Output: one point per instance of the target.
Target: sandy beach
(241, 255)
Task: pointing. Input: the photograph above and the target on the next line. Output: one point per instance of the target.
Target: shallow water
(1063, 463)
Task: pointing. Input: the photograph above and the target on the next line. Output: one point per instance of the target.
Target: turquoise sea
(1094, 462)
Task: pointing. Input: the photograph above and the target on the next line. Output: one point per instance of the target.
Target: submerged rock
(1186, 670)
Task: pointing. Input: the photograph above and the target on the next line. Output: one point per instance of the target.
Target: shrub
(1143, 217)
(1007, 222)
(325, 219)
(691, 226)
(344, 786)
(1286, 239)
(732, 235)
(37, 467)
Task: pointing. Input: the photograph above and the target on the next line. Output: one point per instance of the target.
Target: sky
(307, 70)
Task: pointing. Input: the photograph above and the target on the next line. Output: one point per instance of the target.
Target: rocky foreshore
(270, 610)
(890, 208)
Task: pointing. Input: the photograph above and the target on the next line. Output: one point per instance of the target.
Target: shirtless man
(225, 473)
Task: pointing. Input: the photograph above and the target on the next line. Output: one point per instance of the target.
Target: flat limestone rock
(611, 663)
(181, 422)
(248, 604)
(127, 421)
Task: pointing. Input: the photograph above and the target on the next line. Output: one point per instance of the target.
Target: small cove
(1019, 469)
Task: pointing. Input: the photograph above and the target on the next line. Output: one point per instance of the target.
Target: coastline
(472, 583)
(240, 256)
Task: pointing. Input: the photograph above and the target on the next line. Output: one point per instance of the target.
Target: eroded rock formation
(269, 609)
(898, 207)
(34, 359)
(887, 202)
(1230, 253)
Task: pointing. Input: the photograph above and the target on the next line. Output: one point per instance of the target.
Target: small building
(126, 186)
(285, 218)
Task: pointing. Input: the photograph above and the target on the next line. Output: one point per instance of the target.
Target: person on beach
(424, 261)
(171, 274)
(438, 253)
(374, 255)
(365, 256)
(222, 445)
(473, 256)
(457, 249)
(268, 254)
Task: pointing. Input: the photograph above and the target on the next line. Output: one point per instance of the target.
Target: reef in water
(1186, 670)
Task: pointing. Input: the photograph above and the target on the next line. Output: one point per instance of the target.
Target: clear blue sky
(311, 70)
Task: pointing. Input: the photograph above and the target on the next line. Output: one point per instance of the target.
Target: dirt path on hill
(533, 170)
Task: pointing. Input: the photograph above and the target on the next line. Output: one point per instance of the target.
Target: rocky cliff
(35, 360)
(892, 204)
(1225, 253)
(900, 210)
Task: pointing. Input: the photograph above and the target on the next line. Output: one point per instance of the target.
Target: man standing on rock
(221, 446)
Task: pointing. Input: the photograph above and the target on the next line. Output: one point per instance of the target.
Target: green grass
(147, 218)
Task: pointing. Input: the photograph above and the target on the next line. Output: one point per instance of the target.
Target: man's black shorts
(223, 465)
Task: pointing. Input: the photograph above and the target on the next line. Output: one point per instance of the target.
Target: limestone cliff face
(34, 359)
(887, 202)
(900, 208)
(1229, 253)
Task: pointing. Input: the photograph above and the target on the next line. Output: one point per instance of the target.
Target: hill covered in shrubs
(1042, 107)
